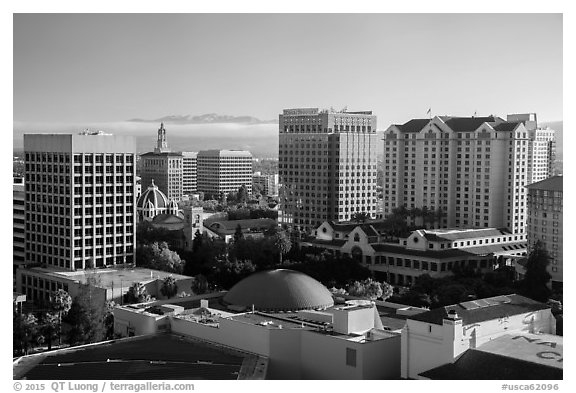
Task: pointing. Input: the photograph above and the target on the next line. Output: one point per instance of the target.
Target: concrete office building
(18, 217)
(164, 167)
(189, 172)
(545, 223)
(327, 166)
(268, 183)
(80, 200)
(474, 169)
(18, 236)
(224, 171)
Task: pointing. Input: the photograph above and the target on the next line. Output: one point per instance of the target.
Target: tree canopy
(536, 279)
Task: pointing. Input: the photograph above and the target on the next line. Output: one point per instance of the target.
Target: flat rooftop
(111, 278)
(155, 357)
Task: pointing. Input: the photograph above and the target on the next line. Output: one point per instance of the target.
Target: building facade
(80, 200)
(268, 183)
(542, 152)
(473, 169)
(163, 167)
(436, 252)
(224, 171)
(327, 166)
(189, 172)
(545, 222)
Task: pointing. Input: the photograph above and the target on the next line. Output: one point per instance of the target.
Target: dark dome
(279, 290)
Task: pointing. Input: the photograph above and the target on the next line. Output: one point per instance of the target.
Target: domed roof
(279, 290)
(154, 196)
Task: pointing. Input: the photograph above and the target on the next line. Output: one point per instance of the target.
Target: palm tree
(169, 287)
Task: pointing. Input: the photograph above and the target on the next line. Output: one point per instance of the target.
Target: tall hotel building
(80, 200)
(473, 168)
(327, 166)
(545, 201)
(164, 167)
(224, 171)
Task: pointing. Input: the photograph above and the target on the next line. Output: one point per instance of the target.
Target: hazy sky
(112, 67)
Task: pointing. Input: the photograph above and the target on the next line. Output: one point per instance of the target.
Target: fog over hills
(193, 133)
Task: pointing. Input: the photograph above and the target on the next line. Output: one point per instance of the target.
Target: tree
(137, 293)
(169, 287)
(360, 217)
(370, 289)
(109, 320)
(535, 282)
(197, 242)
(61, 302)
(238, 235)
(50, 327)
(25, 332)
(159, 256)
(258, 188)
(282, 243)
(199, 285)
(242, 195)
(86, 315)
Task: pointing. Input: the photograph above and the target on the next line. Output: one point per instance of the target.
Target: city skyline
(69, 70)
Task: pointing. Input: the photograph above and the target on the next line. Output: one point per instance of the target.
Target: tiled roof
(506, 126)
(333, 242)
(478, 365)
(517, 305)
(414, 125)
(438, 254)
(553, 183)
(467, 124)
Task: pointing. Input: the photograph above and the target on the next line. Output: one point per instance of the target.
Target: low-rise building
(292, 321)
(441, 336)
(425, 251)
(38, 283)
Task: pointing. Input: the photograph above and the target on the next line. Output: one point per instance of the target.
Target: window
(351, 357)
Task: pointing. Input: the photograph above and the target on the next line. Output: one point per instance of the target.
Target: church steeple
(162, 143)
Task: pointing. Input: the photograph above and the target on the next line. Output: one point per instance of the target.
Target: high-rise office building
(224, 171)
(189, 172)
(18, 225)
(473, 169)
(327, 166)
(164, 167)
(79, 200)
(545, 200)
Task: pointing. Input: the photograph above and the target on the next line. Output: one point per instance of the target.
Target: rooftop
(520, 356)
(482, 309)
(460, 233)
(111, 278)
(553, 183)
(155, 357)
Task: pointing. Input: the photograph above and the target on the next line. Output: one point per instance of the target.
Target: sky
(107, 68)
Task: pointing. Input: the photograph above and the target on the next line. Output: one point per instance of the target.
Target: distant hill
(209, 118)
